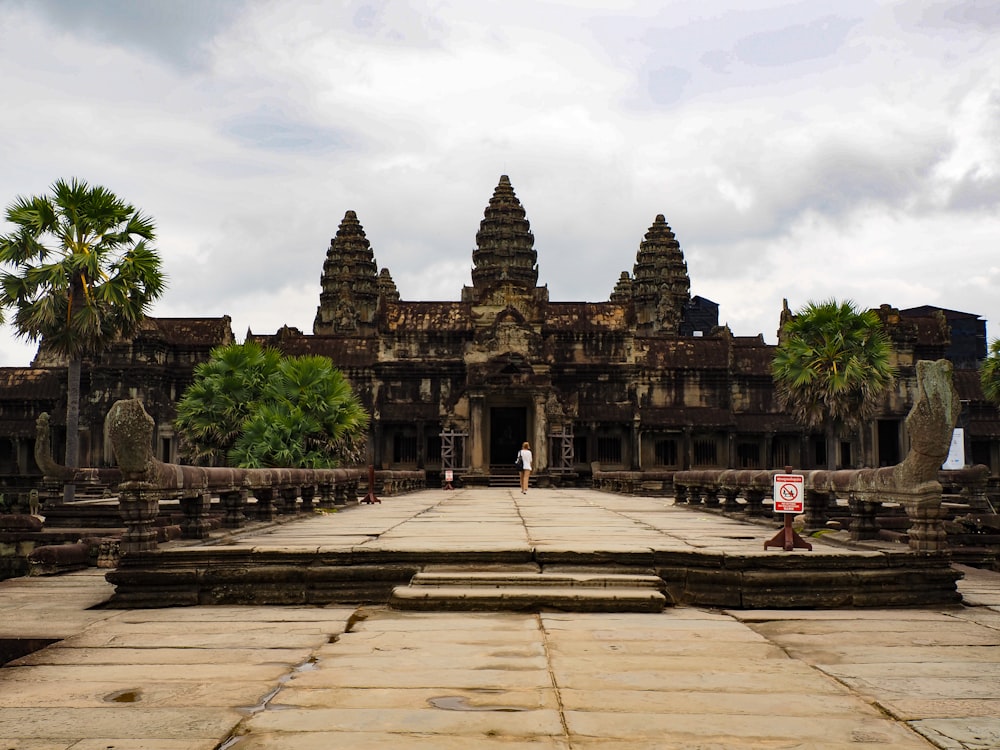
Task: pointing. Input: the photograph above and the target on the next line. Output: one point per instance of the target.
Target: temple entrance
(508, 430)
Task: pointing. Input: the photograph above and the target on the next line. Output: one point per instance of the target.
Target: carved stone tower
(661, 286)
(505, 261)
(350, 284)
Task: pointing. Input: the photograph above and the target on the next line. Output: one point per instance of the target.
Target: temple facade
(644, 381)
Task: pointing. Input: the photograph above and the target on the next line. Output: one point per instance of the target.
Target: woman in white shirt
(525, 455)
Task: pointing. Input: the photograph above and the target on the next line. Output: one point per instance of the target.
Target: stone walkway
(255, 678)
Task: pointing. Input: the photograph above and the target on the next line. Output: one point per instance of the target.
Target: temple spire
(349, 282)
(505, 251)
(661, 286)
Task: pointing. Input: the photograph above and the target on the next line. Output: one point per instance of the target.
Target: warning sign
(788, 493)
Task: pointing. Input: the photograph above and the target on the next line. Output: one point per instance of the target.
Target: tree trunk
(72, 424)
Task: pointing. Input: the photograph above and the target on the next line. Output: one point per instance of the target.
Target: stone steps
(524, 591)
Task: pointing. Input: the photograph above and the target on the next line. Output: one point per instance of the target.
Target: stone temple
(645, 381)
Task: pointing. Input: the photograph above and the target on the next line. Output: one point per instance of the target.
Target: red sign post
(789, 500)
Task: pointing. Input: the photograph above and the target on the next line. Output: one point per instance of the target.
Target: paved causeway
(256, 678)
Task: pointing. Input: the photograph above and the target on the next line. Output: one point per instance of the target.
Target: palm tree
(250, 406)
(78, 274)
(989, 376)
(226, 388)
(307, 416)
(831, 368)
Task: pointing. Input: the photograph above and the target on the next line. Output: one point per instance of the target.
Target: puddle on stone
(123, 696)
(308, 665)
(461, 703)
(265, 703)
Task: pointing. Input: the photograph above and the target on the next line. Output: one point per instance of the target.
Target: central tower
(505, 266)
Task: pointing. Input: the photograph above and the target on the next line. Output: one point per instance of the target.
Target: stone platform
(361, 554)
(373, 678)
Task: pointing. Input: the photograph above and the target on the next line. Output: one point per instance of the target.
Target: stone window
(404, 449)
(433, 448)
(706, 452)
(665, 453)
(609, 449)
(748, 455)
(781, 454)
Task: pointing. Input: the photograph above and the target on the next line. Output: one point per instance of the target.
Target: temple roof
(423, 317)
(585, 317)
(31, 383)
(190, 332)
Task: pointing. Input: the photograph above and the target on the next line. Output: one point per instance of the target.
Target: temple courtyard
(383, 675)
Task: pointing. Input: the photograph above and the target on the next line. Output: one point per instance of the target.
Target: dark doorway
(508, 430)
(888, 442)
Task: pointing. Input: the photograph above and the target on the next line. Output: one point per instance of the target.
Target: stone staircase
(519, 591)
(504, 476)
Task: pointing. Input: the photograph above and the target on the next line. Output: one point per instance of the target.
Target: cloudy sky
(801, 150)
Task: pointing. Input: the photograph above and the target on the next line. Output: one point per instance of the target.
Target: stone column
(326, 493)
(755, 502)
(307, 493)
(923, 507)
(288, 497)
(195, 507)
(477, 403)
(265, 503)
(863, 524)
(816, 504)
(138, 504)
(540, 441)
(234, 503)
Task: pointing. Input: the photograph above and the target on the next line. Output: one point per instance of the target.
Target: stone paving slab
(259, 678)
(395, 741)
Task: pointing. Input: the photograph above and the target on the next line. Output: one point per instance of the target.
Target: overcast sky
(800, 150)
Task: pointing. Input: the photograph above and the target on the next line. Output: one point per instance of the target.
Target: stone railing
(145, 482)
(914, 483)
(723, 489)
(647, 481)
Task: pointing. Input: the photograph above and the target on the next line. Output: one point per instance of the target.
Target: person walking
(524, 461)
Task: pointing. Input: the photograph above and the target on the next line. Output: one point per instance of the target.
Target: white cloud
(867, 162)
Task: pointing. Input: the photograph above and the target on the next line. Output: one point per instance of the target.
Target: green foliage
(212, 411)
(79, 271)
(832, 364)
(989, 375)
(251, 407)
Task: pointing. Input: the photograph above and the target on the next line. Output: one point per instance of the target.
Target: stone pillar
(540, 442)
(923, 507)
(477, 404)
(863, 524)
(326, 495)
(816, 504)
(755, 503)
(711, 496)
(680, 493)
(195, 507)
(138, 504)
(234, 503)
(288, 497)
(378, 447)
(307, 493)
(265, 503)
(729, 504)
